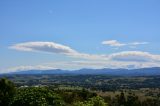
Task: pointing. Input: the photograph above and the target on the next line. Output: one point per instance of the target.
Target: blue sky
(130, 29)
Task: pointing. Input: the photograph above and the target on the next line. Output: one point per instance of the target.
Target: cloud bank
(125, 59)
(51, 47)
(136, 56)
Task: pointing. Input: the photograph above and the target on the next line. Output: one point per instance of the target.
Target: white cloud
(137, 56)
(125, 59)
(115, 43)
(66, 65)
(51, 47)
(74, 65)
(28, 67)
(138, 43)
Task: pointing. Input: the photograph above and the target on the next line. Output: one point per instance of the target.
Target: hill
(105, 71)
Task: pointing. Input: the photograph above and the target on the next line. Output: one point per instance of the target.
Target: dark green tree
(7, 90)
(151, 102)
(122, 99)
(132, 100)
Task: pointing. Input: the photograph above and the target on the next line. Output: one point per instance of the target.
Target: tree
(121, 99)
(36, 97)
(95, 101)
(7, 90)
(132, 100)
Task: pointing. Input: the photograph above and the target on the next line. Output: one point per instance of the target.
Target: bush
(95, 101)
(36, 97)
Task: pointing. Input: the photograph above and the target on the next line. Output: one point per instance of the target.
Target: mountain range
(105, 71)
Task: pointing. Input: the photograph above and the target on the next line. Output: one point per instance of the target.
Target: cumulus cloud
(115, 43)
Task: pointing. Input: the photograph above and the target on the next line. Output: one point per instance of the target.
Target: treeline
(95, 82)
(131, 99)
(10, 95)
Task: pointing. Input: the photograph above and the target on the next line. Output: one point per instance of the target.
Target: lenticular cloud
(50, 47)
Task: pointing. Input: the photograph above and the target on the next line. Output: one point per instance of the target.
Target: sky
(75, 34)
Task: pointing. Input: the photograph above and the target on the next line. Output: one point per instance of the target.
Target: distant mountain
(105, 71)
(54, 71)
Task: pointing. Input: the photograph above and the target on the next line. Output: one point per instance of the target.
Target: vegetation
(95, 101)
(94, 82)
(7, 90)
(36, 97)
(89, 90)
